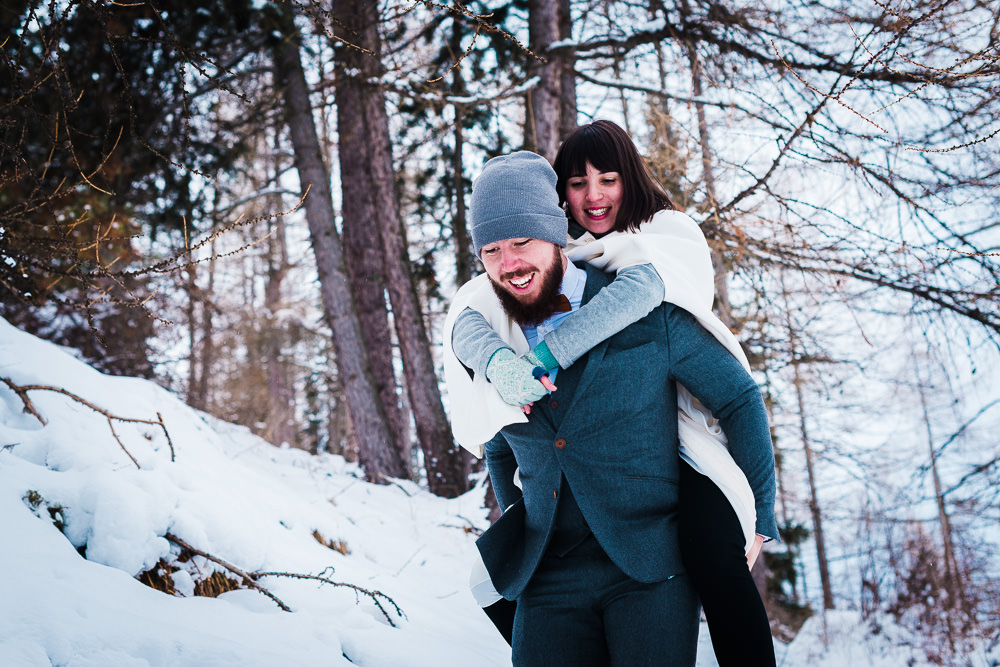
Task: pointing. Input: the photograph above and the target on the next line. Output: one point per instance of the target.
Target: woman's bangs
(591, 146)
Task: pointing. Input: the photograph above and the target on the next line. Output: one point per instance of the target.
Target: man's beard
(544, 305)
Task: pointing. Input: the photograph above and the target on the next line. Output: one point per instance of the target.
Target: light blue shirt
(573, 282)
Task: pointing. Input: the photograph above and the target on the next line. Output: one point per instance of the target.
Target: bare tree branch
(22, 392)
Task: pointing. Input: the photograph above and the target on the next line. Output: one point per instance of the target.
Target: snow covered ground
(229, 494)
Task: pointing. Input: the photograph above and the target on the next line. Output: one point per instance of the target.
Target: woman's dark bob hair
(609, 148)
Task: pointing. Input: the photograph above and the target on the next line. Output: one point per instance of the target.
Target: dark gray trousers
(579, 609)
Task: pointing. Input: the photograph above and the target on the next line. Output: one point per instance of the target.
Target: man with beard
(587, 544)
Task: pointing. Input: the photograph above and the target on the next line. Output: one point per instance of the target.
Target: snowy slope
(235, 497)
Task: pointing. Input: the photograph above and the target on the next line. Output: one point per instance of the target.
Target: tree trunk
(365, 262)
(664, 151)
(190, 311)
(543, 117)
(814, 508)
(567, 75)
(616, 67)
(201, 343)
(712, 226)
(280, 398)
(952, 579)
(459, 224)
(377, 456)
(207, 356)
(372, 172)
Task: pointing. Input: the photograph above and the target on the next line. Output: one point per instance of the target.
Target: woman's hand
(755, 548)
(542, 377)
(512, 378)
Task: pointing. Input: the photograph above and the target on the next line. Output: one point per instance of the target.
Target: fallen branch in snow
(470, 528)
(374, 595)
(391, 480)
(22, 393)
(246, 578)
(249, 579)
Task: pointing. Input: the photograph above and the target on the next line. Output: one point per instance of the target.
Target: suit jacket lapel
(592, 360)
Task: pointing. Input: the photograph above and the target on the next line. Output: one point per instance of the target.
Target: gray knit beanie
(515, 197)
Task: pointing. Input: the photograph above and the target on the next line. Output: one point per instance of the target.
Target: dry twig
(22, 393)
(374, 595)
(249, 579)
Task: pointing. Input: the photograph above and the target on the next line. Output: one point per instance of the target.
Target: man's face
(526, 275)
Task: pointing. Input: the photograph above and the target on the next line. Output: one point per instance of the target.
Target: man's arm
(718, 380)
(634, 292)
(482, 349)
(474, 341)
(502, 466)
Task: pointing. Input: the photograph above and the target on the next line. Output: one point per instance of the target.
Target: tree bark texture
(207, 355)
(814, 509)
(376, 454)
(364, 257)
(373, 192)
(190, 311)
(459, 224)
(952, 578)
(711, 227)
(280, 397)
(819, 536)
(543, 116)
(567, 75)
(464, 259)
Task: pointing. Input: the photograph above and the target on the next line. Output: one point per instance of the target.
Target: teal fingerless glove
(512, 377)
(542, 357)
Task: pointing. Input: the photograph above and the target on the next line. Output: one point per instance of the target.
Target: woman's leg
(712, 545)
(501, 613)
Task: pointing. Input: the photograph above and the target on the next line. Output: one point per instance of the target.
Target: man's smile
(525, 275)
(521, 283)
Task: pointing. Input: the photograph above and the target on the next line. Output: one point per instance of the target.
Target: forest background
(261, 205)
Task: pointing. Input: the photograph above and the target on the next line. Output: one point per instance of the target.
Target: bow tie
(563, 304)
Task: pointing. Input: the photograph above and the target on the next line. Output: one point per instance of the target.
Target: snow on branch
(22, 393)
(376, 596)
(249, 579)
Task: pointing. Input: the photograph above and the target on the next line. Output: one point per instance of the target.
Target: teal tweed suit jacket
(611, 430)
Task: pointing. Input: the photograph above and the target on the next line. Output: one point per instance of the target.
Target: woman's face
(594, 199)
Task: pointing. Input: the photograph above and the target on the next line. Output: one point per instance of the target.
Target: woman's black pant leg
(501, 613)
(712, 545)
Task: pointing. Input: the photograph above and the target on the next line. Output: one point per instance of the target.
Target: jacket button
(560, 443)
(554, 404)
